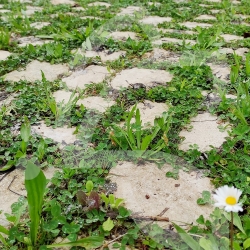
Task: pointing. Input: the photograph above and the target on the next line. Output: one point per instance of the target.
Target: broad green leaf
(89, 186)
(145, 142)
(4, 230)
(207, 244)
(108, 225)
(35, 183)
(187, 238)
(246, 243)
(88, 243)
(71, 228)
(25, 130)
(236, 221)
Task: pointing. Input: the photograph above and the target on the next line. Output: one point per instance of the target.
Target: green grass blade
(35, 183)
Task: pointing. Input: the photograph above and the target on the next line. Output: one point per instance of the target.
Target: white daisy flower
(228, 197)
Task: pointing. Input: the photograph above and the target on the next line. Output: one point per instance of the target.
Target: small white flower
(228, 197)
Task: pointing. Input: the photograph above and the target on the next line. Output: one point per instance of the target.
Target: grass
(227, 165)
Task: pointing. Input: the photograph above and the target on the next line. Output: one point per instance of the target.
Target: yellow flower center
(230, 200)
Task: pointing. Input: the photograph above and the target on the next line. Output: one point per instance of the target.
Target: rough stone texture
(4, 54)
(39, 25)
(99, 4)
(92, 74)
(172, 40)
(155, 4)
(220, 71)
(33, 72)
(1, 6)
(240, 51)
(188, 32)
(229, 38)
(135, 182)
(216, 11)
(30, 10)
(62, 135)
(90, 17)
(6, 99)
(160, 55)
(130, 10)
(149, 111)
(23, 41)
(104, 55)
(214, 1)
(79, 8)
(92, 102)
(204, 132)
(8, 197)
(242, 16)
(236, 2)
(148, 77)
(155, 20)
(204, 5)
(123, 35)
(4, 11)
(56, 2)
(96, 102)
(205, 17)
(192, 25)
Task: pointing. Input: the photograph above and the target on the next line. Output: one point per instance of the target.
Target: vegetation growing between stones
(79, 203)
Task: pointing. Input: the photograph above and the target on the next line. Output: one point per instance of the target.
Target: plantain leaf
(35, 183)
(88, 243)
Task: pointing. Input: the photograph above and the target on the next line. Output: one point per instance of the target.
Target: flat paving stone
(8, 197)
(92, 102)
(92, 74)
(229, 38)
(216, 11)
(33, 72)
(6, 99)
(99, 4)
(173, 40)
(56, 2)
(204, 132)
(154, 3)
(148, 77)
(35, 41)
(148, 192)
(149, 111)
(240, 51)
(160, 55)
(105, 55)
(214, 1)
(205, 17)
(155, 20)
(90, 17)
(79, 8)
(30, 10)
(130, 10)
(204, 5)
(123, 35)
(192, 25)
(1, 6)
(97, 103)
(39, 25)
(242, 16)
(62, 135)
(4, 55)
(222, 72)
(187, 32)
(4, 11)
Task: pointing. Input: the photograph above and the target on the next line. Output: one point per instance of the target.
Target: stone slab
(204, 132)
(123, 35)
(147, 192)
(92, 74)
(205, 17)
(33, 72)
(222, 72)
(173, 40)
(191, 25)
(228, 37)
(99, 4)
(148, 77)
(4, 55)
(56, 2)
(8, 197)
(155, 20)
(39, 25)
(130, 10)
(35, 41)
